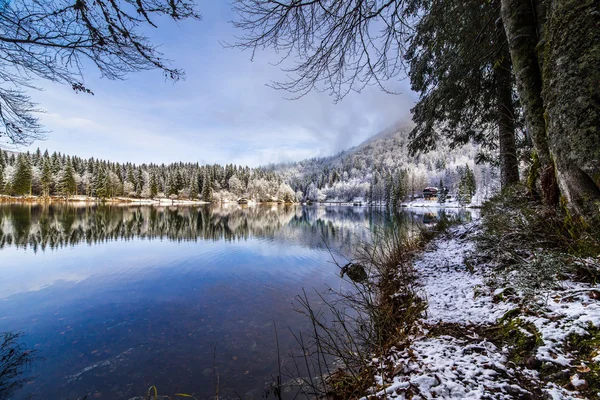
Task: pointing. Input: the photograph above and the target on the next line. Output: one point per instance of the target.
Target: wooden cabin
(430, 193)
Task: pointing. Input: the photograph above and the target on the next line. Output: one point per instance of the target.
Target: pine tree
(466, 186)
(153, 185)
(207, 188)
(172, 185)
(1, 175)
(194, 188)
(46, 179)
(400, 188)
(100, 183)
(140, 183)
(67, 185)
(389, 190)
(21, 182)
(442, 193)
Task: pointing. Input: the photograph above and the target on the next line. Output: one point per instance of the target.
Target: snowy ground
(435, 204)
(452, 358)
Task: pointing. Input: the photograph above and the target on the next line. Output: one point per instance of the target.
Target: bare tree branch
(50, 39)
(337, 46)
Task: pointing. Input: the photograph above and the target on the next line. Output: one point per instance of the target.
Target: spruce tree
(131, 176)
(21, 182)
(67, 185)
(140, 183)
(100, 187)
(1, 176)
(400, 188)
(442, 193)
(466, 186)
(194, 189)
(207, 188)
(46, 179)
(153, 185)
(389, 190)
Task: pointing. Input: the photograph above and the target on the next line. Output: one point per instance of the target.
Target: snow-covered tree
(67, 185)
(21, 180)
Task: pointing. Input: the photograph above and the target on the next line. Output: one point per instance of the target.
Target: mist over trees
(477, 66)
(381, 171)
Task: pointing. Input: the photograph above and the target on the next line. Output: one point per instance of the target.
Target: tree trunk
(571, 93)
(520, 24)
(509, 163)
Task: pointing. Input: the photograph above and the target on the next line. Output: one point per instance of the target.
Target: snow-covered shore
(88, 199)
(79, 199)
(457, 356)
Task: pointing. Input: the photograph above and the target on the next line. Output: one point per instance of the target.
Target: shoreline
(5, 199)
(477, 338)
(120, 201)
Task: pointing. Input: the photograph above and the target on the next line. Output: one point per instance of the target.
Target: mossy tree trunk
(571, 94)
(506, 121)
(555, 50)
(520, 24)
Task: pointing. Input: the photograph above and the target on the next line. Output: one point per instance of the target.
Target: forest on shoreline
(380, 171)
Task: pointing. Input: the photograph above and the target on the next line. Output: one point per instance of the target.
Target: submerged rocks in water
(355, 272)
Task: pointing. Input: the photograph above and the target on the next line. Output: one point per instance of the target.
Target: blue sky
(222, 113)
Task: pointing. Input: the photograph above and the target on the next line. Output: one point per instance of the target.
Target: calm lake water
(116, 299)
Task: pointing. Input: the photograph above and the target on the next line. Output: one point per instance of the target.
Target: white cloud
(223, 112)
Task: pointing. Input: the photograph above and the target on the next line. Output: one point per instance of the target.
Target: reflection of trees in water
(53, 226)
(14, 359)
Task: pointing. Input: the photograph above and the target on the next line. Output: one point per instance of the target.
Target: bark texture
(509, 164)
(522, 31)
(571, 95)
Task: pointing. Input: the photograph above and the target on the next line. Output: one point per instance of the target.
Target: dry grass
(380, 311)
(534, 247)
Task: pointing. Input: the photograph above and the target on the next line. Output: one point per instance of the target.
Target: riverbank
(118, 200)
(91, 200)
(503, 320)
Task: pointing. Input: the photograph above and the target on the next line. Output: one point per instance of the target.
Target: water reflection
(116, 299)
(42, 226)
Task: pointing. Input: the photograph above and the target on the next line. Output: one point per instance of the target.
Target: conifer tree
(207, 188)
(466, 186)
(171, 185)
(21, 182)
(46, 179)
(194, 189)
(442, 193)
(100, 181)
(67, 185)
(389, 190)
(400, 188)
(1, 176)
(139, 183)
(153, 185)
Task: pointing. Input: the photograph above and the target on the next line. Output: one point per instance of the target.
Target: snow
(434, 204)
(468, 366)
(452, 291)
(577, 382)
(446, 367)
(566, 312)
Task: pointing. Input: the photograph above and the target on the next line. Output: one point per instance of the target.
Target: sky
(223, 112)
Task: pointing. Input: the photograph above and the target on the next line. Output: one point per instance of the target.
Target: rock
(355, 272)
(532, 362)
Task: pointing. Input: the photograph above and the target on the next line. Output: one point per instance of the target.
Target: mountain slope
(365, 170)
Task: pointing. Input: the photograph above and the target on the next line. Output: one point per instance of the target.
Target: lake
(115, 299)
